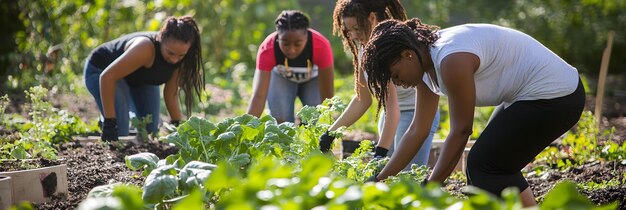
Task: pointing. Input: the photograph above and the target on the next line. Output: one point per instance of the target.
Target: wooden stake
(604, 66)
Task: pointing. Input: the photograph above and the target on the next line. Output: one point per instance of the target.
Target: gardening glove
(380, 152)
(325, 142)
(175, 123)
(172, 126)
(109, 130)
(372, 178)
(425, 182)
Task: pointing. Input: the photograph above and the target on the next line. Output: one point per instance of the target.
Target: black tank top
(160, 72)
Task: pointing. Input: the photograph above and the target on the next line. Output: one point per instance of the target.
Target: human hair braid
(291, 20)
(388, 40)
(191, 71)
(360, 9)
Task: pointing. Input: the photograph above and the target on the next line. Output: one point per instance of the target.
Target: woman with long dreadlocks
(293, 61)
(539, 96)
(125, 74)
(353, 22)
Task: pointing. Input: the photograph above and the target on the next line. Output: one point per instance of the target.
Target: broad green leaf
(227, 137)
(19, 152)
(145, 160)
(240, 159)
(244, 119)
(160, 183)
(249, 133)
(199, 165)
(203, 126)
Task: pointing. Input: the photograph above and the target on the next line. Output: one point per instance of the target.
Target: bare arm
(426, 103)
(457, 72)
(170, 95)
(260, 88)
(140, 52)
(356, 108)
(392, 116)
(326, 82)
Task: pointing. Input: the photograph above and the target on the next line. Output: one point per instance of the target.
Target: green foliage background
(232, 30)
(47, 42)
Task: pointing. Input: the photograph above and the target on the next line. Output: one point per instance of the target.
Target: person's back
(513, 65)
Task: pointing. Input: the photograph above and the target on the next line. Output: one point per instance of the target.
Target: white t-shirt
(513, 65)
(406, 96)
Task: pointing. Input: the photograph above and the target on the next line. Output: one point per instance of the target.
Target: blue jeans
(282, 94)
(421, 158)
(142, 100)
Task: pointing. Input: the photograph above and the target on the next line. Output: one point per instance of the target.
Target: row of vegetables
(255, 163)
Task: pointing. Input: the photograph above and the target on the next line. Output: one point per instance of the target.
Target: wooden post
(604, 66)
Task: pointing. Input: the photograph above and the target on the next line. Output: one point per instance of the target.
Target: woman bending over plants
(125, 74)
(539, 96)
(293, 61)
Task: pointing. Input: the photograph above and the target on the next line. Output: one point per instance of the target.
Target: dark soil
(16, 165)
(590, 172)
(99, 164)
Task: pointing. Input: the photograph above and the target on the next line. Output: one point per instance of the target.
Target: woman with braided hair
(125, 74)
(353, 22)
(539, 96)
(293, 61)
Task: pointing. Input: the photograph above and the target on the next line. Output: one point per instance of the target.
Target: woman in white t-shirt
(539, 96)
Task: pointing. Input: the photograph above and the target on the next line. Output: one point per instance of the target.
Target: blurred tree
(11, 24)
(48, 41)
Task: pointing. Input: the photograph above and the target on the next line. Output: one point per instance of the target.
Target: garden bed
(91, 165)
(99, 164)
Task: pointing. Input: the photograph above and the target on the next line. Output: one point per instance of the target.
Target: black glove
(424, 183)
(325, 142)
(175, 123)
(380, 152)
(109, 130)
(372, 178)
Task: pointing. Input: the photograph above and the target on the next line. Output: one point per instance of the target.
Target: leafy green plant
(141, 126)
(581, 146)
(48, 126)
(564, 195)
(592, 185)
(316, 120)
(287, 176)
(167, 179)
(114, 196)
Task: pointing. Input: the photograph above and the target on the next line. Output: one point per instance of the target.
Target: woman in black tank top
(125, 74)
